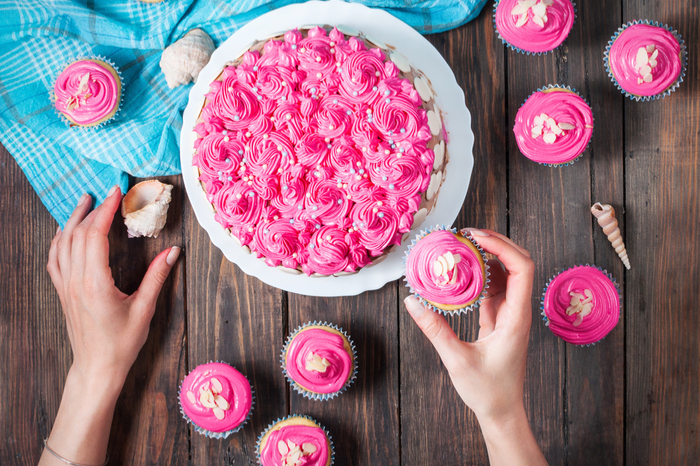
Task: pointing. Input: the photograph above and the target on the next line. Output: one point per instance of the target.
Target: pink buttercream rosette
(258, 451)
(315, 395)
(462, 310)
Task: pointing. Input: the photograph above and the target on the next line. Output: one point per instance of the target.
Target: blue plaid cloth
(39, 37)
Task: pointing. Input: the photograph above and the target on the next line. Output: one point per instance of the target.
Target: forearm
(81, 430)
(510, 441)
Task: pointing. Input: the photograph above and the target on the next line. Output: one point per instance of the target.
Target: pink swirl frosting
(623, 59)
(298, 435)
(567, 110)
(87, 92)
(323, 344)
(530, 36)
(219, 380)
(316, 136)
(421, 274)
(605, 311)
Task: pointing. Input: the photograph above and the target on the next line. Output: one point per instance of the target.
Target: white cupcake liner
(303, 416)
(209, 433)
(568, 88)
(672, 88)
(307, 393)
(516, 49)
(52, 93)
(462, 310)
(544, 292)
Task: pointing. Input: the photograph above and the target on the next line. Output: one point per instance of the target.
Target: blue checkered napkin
(39, 37)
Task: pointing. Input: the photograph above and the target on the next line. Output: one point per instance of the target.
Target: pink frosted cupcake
(646, 60)
(581, 305)
(554, 126)
(88, 92)
(319, 360)
(295, 441)
(533, 26)
(216, 399)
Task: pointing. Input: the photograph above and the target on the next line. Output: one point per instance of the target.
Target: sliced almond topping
(207, 400)
(551, 123)
(566, 126)
(520, 8)
(282, 447)
(540, 10)
(309, 448)
(325, 362)
(454, 277)
(645, 70)
(556, 130)
(443, 262)
(538, 21)
(521, 21)
(586, 309)
(642, 58)
(192, 399)
(589, 126)
(295, 456)
(438, 268)
(221, 402)
(640, 80)
(450, 260)
(216, 386)
(652, 62)
(549, 138)
(544, 117)
(651, 48)
(458, 258)
(547, 2)
(655, 54)
(83, 86)
(219, 413)
(538, 121)
(648, 78)
(537, 131)
(291, 445)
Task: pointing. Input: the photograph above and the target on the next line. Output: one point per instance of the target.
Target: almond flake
(221, 402)
(521, 21)
(540, 10)
(282, 447)
(450, 260)
(544, 116)
(207, 400)
(536, 132)
(443, 262)
(291, 445)
(551, 123)
(538, 21)
(538, 121)
(547, 2)
(640, 80)
(642, 58)
(655, 54)
(458, 258)
(645, 70)
(309, 448)
(648, 78)
(216, 386)
(192, 399)
(454, 277)
(652, 62)
(83, 86)
(549, 138)
(219, 413)
(520, 8)
(589, 126)
(566, 126)
(651, 48)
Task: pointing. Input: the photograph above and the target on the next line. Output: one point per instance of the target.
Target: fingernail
(82, 199)
(414, 307)
(475, 232)
(172, 255)
(113, 190)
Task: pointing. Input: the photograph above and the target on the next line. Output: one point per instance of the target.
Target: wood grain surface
(631, 399)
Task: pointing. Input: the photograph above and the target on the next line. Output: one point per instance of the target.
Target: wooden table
(632, 399)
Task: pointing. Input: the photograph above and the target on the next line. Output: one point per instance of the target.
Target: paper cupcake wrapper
(544, 292)
(672, 88)
(516, 49)
(307, 393)
(568, 88)
(209, 433)
(462, 310)
(52, 94)
(270, 426)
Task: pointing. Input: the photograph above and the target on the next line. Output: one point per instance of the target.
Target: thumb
(147, 294)
(435, 327)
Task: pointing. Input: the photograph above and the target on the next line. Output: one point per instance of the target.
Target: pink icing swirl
(564, 107)
(298, 435)
(605, 311)
(623, 54)
(235, 389)
(531, 37)
(86, 92)
(326, 345)
(421, 276)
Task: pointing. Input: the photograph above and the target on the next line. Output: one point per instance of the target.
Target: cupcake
(295, 441)
(554, 126)
(319, 361)
(446, 271)
(88, 92)
(533, 26)
(581, 305)
(216, 399)
(645, 60)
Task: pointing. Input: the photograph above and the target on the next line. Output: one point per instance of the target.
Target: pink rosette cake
(646, 60)
(554, 126)
(446, 271)
(295, 441)
(581, 305)
(87, 92)
(216, 399)
(319, 151)
(533, 26)
(319, 360)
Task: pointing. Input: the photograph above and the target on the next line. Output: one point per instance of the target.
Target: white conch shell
(182, 61)
(606, 219)
(145, 208)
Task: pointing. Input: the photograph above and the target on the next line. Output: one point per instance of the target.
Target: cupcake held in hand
(446, 271)
(295, 441)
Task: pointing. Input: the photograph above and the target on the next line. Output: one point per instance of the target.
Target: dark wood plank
(364, 421)
(436, 425)
(662, 160)
(237, 319)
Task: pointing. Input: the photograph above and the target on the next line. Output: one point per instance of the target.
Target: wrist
(100, 389)
(504, 423)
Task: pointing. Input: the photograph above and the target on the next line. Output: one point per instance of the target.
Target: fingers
(487, 320)
(97, 242)
(498, 277)
(146, 296)
(435, 327)
(483, 233)
(489, 307)
(52, 265)
(65, 240)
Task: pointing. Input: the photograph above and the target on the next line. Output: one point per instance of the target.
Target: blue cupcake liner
(52, 93)
(544, 292)
(516, 49)
(568, 88)
(209, 433)
(672, 88)
(462, 310)
(307, 393)
(303, 416)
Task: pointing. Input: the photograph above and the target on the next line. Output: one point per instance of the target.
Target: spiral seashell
(182, 61)
(145, 208)
(605, 214)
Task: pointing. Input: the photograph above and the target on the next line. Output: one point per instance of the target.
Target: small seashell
(182, 61)
(145, 208)
(605, 214)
